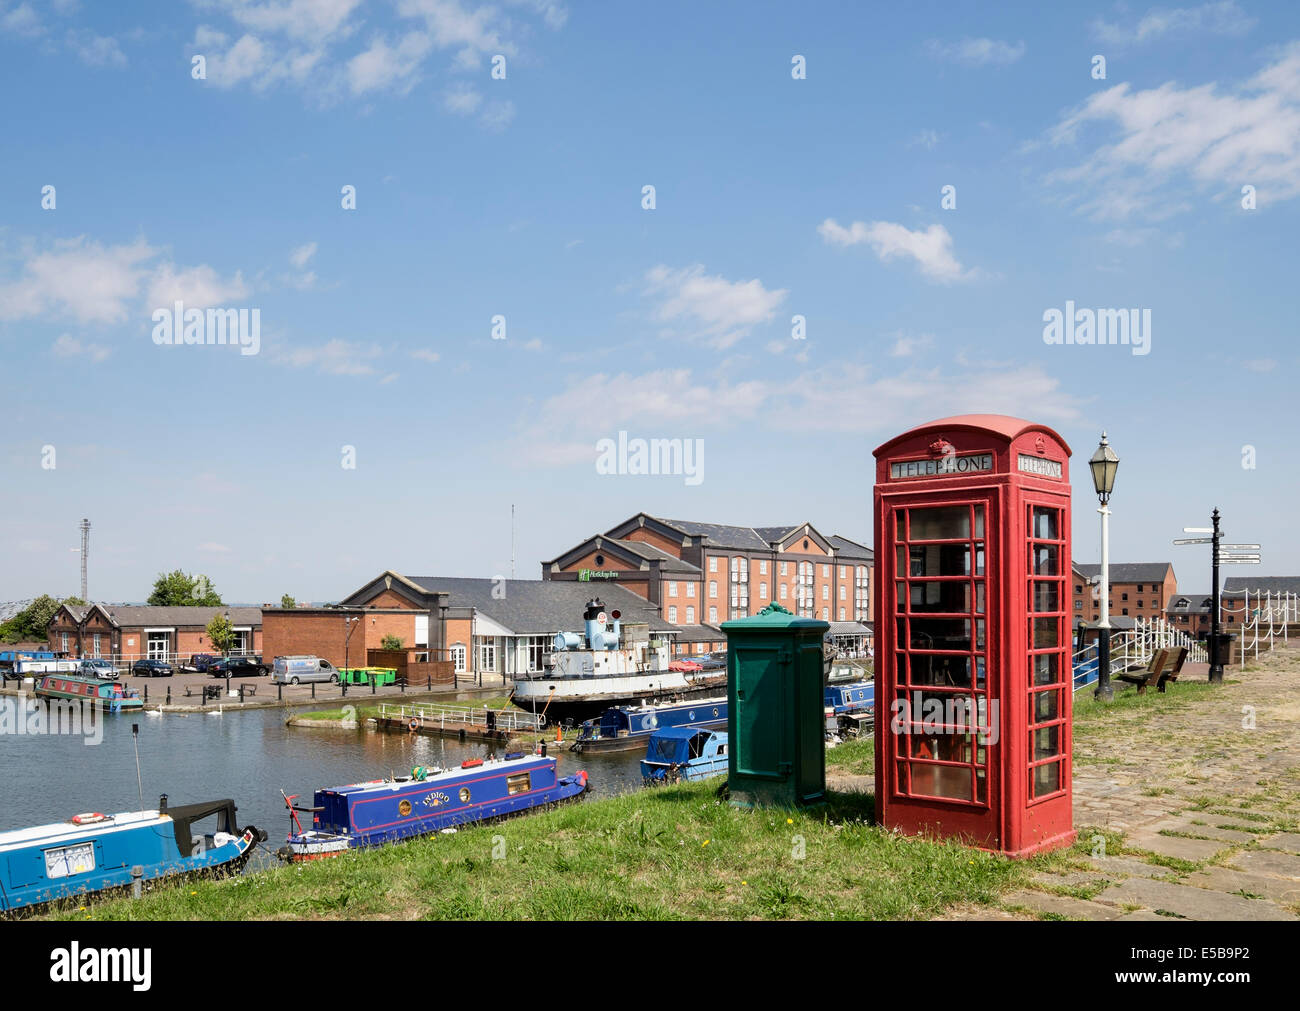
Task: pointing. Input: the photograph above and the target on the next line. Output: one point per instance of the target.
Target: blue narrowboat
(109, 696)
(625, 727)
(95, 852)
(429, 800)
(684, 753)
(850, 708)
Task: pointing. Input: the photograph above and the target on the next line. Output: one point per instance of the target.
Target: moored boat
(109, 696)
(679, 753)
(850, 708)
(381, 811)
(93, 852)
(623, 728)
(609, 663)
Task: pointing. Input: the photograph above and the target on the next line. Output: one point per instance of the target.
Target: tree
(287, 601)
(177, 589)
(220, 633)
(391, 642)
(74, 601)
(32, 622)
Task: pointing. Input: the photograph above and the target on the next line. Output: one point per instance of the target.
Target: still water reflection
(249, 756)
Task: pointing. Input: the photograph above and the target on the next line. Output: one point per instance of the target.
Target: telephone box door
(945, 697)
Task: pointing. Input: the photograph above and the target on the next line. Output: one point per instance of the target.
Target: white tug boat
(609, 664)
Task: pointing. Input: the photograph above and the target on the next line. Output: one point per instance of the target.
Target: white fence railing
(1265, 622)
(432, 714)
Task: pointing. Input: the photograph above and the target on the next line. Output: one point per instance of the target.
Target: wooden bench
(1164, 667)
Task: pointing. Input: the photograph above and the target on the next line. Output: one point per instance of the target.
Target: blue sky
(522, 197)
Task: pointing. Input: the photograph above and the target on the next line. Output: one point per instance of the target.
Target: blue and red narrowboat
(625, 727)
(429, 800)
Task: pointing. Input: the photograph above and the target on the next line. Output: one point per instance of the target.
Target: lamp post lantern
(1103, 465)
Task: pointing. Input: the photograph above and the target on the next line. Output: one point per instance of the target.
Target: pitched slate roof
(845, 548)
(650, 553)
(1190, 603)
(1237, 585)
(721, 535)
(541, 606)
(149, 616)
(1129, 572)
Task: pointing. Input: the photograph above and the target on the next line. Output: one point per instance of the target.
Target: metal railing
(1135, 648)
(1267, 622)
(433, 714)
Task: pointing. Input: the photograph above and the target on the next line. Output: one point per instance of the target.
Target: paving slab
(1286, 841)
(1194, 850)
(1225, 879)
(1114, 867)
(1062, 905)
(1285, 865)
(1191, 902)
(1068, 879)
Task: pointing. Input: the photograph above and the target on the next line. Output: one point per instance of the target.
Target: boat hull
(630, 728)
(580, 701)
(105, 696)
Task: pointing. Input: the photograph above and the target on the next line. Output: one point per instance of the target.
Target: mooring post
(146, 693)
(137, 881)
(169, 694)
(313, 690)
(279, 692)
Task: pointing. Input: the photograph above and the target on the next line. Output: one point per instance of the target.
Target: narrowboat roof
(682, 733)
(65, 830)
(446, 775)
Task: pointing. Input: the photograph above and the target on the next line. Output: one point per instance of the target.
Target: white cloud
(721, 311)
(88, 281)
(69, 347)
(1164, 138)
(497, 114)
(906, 345)
(213, 548)
(22, 20)
(384, 66)
(1260, 364)
(976, 52)
(425, 355)
(198, 287)
(927, 139)
(97, 50)
(462, 100)
(931, 248)
(335, 357)
(302, 254)
(1224, 18)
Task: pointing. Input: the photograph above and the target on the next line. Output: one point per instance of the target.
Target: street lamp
(346, 640)
(1103, 465)
(226, 652)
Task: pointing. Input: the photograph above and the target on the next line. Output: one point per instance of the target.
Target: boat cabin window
(519, 783)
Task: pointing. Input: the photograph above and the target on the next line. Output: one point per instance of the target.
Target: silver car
(98, 668)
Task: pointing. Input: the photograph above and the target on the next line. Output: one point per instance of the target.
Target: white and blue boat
(429, 800)
(680, 753)
(93, 852)
(625, 727)
(850, 708)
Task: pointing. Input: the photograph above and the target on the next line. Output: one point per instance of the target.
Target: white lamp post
(1103, 465)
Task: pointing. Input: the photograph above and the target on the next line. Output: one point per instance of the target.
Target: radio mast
(85, 546)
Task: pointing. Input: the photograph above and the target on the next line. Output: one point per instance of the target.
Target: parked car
(200, 662)
(151, 669)
(237, 667)
(99, 668)
(292, 670)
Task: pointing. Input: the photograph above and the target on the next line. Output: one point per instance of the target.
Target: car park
(237, 667)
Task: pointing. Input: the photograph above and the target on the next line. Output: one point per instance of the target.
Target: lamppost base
(1104, 694)
(1216, 674)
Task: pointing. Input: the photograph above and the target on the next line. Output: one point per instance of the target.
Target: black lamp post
(352, 627)
(226, 652)
(1103, 465)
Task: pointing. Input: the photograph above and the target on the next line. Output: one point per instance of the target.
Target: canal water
(249, 756)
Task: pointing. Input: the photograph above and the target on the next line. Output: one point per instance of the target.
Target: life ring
(89, 818)
(414, 725)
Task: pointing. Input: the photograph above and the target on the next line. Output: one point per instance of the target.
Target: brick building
(485, 627)
(1137, 590)
(134, 631)
(702, 574)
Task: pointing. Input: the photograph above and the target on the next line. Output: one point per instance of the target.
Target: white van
(292, 670)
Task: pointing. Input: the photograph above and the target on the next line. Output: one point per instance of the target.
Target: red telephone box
(973, 668)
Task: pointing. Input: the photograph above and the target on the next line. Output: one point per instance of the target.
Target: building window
(96, 644)
(762, 591)
(538, 647)
(1123, 596)
(672, 615)
(1139, 603)
(804, 590)
(713, 588)
(1139, 588)
(690, 589)
(487, 656)
(762, 568)
(843, 572)
(841, 614)
(64, 647)
(458, 658)
(713, 615)
(826, 592)
(826, 572)
(713, 563)
(1078, 605)
(862, 593)
(826, 614)
(843, 591)
(672, 589)
(690, 616)
(1125, 611)
(782, 591)
(783, 569)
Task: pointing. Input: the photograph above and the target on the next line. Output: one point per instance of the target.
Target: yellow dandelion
(705, 843)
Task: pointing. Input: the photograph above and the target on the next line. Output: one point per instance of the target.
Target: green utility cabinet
(776, 713)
